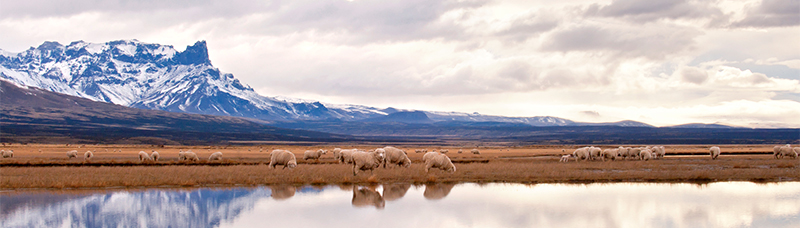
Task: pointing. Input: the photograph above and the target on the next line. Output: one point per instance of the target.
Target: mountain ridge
(158, 77)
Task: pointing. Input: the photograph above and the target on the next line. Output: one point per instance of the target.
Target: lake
(721, 204)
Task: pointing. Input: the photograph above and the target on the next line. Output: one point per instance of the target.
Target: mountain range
(158, 77)
(134, 92)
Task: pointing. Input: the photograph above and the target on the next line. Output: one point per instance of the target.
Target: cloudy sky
(661, 62)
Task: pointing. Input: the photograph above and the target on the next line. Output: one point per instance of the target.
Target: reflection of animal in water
(395, 191)
(437, 191)
(363, 197)
(282, 192)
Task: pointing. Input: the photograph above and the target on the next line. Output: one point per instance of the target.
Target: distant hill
(701, 125)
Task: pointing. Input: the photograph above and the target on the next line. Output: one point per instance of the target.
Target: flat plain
(46, 166)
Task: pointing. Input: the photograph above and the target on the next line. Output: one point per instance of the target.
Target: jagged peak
(194, 54)
(50, 45)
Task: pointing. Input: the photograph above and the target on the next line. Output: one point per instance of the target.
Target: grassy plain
(47, 167)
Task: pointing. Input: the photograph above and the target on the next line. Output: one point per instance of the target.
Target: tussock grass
(240, 167)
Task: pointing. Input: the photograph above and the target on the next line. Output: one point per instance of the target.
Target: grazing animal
(609, 154)
(787, 151)
(337, 154)
(7, 153)
(581, 154)
(88, 156)
(143, 156)
(645, 154)
(395, 156)
(282, 157)
(72, 154)
(346, 156)
(634, 152)
(659, 152)
(714, 152)
(191, 156)
(444, 151)
(440, 161)
(155, 156)
(460, 151)
(594, 152)
(310, 154)
(366, 161)
(216, 156)
(776, 151)
(475, 151)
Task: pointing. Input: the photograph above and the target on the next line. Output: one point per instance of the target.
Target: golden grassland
(49, 168)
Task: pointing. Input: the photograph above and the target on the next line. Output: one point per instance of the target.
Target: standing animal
(216, 156)
(444, 151)
(475, 151)
(366, 161)
(440, 161)
(608, 154)
(310, 154)
(659, 152)
(143, 156)
(282, 157)
(395, 156)
(346, 156)
(155, 156)
(622, 152)
(337, 154)
(7, 153)
(418, 151)
(460, 151)
(581, 154)
(714, 151)
(594, 152)
(88, 156)
(565, 158)
(634, 152)
(72, 154)
(191, 156)
(786, 151)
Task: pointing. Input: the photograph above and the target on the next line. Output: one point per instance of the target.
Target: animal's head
(291, 164)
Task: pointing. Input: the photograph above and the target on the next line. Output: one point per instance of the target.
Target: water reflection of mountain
(149, 208)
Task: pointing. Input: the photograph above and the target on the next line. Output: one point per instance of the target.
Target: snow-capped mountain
(153, 76)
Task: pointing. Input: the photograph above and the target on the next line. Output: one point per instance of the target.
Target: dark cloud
(630, 43)
(372, 20)
(772, 13)
(652, 10)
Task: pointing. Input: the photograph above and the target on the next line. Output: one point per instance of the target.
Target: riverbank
(246, 166)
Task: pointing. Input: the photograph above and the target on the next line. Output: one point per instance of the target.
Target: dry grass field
(47, 166)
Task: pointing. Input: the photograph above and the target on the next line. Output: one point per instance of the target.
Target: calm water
(729, 204)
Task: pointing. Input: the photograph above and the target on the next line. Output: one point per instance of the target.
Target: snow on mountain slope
(154, 76)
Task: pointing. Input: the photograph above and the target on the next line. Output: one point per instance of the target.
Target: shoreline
(246, 166)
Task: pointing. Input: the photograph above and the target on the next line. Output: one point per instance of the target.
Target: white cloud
(660, 62)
